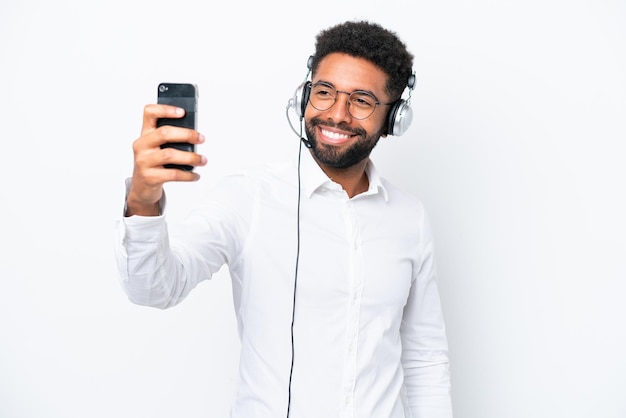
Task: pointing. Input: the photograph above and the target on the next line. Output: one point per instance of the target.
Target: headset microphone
(305, 141)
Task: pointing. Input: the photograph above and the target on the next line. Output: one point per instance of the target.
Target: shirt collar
(314, 179)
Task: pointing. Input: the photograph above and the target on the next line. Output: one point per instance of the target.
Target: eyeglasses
(361, 104)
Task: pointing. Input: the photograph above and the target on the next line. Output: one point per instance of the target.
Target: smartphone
(183, 95)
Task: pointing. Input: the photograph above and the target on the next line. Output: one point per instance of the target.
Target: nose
(340, 110)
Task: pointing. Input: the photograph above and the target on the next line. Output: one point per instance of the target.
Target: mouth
(333, 137)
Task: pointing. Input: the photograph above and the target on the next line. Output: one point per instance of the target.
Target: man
(332, 267)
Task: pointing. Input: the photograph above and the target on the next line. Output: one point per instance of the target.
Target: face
(337, 139)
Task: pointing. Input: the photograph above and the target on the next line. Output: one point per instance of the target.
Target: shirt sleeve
(159, 265)
(424, 341)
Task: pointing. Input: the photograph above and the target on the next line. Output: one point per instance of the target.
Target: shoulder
(407, 209)
(265, 178)
(401, 199)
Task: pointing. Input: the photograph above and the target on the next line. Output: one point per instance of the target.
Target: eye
(363, 100)
(323, 91)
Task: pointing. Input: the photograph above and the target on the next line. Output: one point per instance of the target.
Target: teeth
(334, 135)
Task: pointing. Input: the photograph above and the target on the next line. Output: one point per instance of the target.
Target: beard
(332, 156)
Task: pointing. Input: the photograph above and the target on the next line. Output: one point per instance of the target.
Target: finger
(148, 157)
(165, 134)
(169, 133)
(153, 112)
(157, 176)
(150, 171)
(160, 175)
(179, 157)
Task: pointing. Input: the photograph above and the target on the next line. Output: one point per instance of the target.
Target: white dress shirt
(369, 335)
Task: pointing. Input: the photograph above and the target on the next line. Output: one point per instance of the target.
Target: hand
(149, 173)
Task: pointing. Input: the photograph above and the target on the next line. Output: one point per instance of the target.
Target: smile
(334, 137)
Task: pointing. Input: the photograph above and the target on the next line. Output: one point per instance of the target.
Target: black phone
(182, 95)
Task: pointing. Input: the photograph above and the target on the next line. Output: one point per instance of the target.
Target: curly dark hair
(372, 42)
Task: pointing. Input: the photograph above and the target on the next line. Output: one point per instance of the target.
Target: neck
(352, 179)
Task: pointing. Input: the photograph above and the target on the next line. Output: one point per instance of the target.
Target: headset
(398, 120)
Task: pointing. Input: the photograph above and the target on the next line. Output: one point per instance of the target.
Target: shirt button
(347, 400)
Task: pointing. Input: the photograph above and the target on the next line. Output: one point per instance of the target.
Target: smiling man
(343, 135)
(332, 267)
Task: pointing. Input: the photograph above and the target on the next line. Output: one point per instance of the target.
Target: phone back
(182, 95)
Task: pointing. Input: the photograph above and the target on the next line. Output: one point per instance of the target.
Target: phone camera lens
(162, 88)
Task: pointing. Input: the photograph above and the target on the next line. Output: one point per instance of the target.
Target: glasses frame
(348, 102)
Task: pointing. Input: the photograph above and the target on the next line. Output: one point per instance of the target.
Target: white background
(517, 150)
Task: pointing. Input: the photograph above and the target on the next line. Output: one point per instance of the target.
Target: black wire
(295, 281)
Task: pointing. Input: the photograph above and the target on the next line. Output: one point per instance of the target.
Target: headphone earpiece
(301, 98)
(401, 114)
(399, 119)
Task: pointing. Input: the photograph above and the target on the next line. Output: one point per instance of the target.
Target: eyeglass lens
(360, 104)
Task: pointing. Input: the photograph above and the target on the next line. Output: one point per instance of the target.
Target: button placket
(354, 306)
